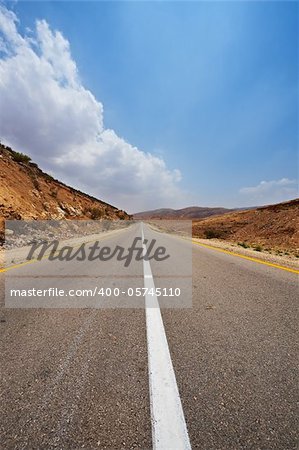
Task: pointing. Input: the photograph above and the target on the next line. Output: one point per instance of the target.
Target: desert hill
(26, 192)
(192, 212)
(267, 227)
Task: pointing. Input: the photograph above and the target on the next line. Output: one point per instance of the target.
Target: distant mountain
(192, 212)
(26, 192)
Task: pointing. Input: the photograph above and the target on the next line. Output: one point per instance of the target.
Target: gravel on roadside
(283, 260)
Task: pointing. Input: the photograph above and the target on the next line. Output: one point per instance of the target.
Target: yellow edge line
(277, 266)
(259, 261)
(18, 265)
(46, 256)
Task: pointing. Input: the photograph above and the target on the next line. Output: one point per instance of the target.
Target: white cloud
(274, 191)
(47, 112)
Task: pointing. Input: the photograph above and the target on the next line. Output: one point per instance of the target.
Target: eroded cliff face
(26, 192)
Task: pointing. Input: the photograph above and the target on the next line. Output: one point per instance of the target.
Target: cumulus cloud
(48, 113)
(274, 191)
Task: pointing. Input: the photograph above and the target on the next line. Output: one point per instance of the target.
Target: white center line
(169, 430)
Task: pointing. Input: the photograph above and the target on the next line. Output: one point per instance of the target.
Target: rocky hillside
(192, 212)
(268, 227)
(26, 192)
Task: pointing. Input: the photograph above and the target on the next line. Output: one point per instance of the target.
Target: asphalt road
(76, 376)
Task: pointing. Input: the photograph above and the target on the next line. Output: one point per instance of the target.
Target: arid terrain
(26, 192)
(267, 228)
(274, 227)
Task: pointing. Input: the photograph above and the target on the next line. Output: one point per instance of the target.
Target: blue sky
(209, 87)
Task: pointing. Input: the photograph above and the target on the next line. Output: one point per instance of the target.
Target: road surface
(79, 377)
